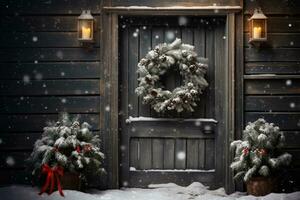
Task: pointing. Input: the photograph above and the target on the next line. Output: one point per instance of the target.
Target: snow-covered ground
(196, 191)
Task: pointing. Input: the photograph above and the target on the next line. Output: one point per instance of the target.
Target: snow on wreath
(157, 62)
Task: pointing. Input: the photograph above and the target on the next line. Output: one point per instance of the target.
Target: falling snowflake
(123, 26)
(292, 43)
(157, 37)
(290, 25)
(60, 54)
(123, 147)
(197, 123)
(182, 21)
(125, 183)
(64, 100)
(38, 76)
(26, 79)
(1, 141)
(207, 128)
(62, 74)
(135, 34)
(107, 108)
(288, 82)
(36, 62)
(10, 161)
(34, 38)
(170, 35)
(181, 155)
(292, 105)
(144, 27)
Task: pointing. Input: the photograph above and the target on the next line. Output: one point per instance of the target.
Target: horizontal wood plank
(272, 103)
(32, 23)
(278, 24)
(273, 7)
(286, 121)
(271, 55)
(49, 54)
(143, 179)
(52, 70)
(272, 68)
(42, 39)
(49, 7)
(15, 176)
(22, 141)
(49, 87)
(14, 159)
(35, 123)
(174, 3)
(278, 40)
(292, 139)
(88, 104)
(272, 86)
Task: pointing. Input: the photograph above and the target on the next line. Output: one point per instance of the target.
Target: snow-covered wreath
(157, 62)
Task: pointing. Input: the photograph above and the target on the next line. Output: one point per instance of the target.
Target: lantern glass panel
(258, 28)
(85, 27)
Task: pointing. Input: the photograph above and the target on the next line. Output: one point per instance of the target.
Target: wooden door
(180, 148)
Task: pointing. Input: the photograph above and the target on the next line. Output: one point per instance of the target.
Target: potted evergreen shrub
(66, 154)
(258, 158)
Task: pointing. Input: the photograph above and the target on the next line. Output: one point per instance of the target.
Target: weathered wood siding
(272, 74)
(43, 71)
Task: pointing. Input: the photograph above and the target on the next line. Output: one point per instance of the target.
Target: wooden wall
(43, 71)
(272, 74)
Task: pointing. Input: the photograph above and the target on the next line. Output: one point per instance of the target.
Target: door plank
(157, 153)
(145, 153)
(169, 153)
(192, 154)
(180, 154)
(209, 154)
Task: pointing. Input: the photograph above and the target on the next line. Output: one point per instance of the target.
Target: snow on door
(180, 148)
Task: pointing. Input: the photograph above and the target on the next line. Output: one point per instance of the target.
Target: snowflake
(207, 128)
(34, 38)
(10, 161)
(26, 79)
(135, 34)
(38, 76)
(181, 155)
(288, 82)
(125, 183)
(292, 105)
(170, 35)
(64, 100)
(1, 141)
(60, 54)
(36, 62)
(197, 123)
(182, 21)
(62, 73)
(107, 108)
(290, 25)
(144, 27)
(157, 37)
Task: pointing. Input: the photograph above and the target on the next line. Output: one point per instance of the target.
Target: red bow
(52, 176)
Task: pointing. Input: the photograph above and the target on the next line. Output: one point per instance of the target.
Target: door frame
(233, 70)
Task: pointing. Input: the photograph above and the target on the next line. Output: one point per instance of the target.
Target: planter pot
(70, 181)
(261, 186)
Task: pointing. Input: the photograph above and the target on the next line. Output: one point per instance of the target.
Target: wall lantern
(86, 26)
(258, 27)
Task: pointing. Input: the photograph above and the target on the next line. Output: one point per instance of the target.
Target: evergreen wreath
(157, 62)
